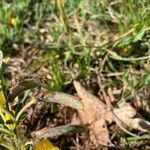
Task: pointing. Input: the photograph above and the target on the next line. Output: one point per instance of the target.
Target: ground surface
(58, 42)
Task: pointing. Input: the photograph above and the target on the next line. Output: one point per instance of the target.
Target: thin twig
(110, 108)
(108, 104)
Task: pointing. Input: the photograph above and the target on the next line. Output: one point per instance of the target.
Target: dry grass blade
(59, 4)
(57, 131)
(65, 99)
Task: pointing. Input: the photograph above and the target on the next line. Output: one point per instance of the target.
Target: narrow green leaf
(7, 145)
(54, 133)
(143, 137)
(5, 131)
(65, 99)
(7, 113)
(1, 58)
(139, 35)
(21, 87)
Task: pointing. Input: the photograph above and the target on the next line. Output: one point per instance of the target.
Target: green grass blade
(1, 58)
(143, 137)
(7, 145)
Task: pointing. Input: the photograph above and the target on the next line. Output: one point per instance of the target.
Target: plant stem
(33, 101)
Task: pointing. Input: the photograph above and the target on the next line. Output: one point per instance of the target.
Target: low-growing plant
(12, 116)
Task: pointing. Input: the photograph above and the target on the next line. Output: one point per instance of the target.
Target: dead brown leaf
(95, 114)
(128, 116)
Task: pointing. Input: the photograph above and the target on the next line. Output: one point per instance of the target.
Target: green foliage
(13, 21)
(11, 118)
(78, 39)
(146, 79)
